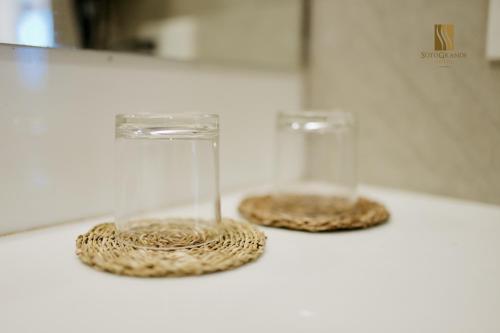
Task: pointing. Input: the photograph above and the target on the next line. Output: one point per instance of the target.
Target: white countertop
(433, 268)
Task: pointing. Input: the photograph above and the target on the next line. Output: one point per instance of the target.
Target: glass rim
(166, 116)
(166, 125)
(334, 118)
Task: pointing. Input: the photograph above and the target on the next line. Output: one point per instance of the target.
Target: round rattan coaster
(312, 213)
(238, 243)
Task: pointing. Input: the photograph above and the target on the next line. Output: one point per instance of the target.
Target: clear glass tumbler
(316, 159)
(163, 162)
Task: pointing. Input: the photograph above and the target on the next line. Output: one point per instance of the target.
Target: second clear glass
(316, 156)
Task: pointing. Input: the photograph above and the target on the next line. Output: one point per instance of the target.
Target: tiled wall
(422, 127)
(57, 112)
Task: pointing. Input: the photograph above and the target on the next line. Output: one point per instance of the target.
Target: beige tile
(423, 127)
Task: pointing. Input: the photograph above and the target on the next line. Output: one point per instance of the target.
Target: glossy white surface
(493, 31)
(432, 268)
(57, 112)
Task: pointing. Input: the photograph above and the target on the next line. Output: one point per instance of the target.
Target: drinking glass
(316, 159)
(167, 179)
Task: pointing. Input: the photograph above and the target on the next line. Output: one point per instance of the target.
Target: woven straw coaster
(237, 244)
(312, 213)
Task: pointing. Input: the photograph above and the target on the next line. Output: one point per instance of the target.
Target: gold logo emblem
(443, 37)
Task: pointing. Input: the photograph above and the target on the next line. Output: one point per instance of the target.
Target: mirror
(264, 33)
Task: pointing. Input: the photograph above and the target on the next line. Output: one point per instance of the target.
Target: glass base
(169, 234)
(308, 205)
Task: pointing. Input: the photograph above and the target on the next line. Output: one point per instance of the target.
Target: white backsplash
(57, 112)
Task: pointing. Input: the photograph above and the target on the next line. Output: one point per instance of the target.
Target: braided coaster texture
(237, 244)
(312, 213)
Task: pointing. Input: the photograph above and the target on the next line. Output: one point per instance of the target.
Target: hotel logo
(443, 37)
(444, 53)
